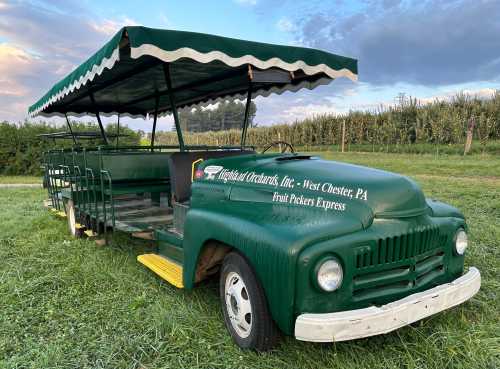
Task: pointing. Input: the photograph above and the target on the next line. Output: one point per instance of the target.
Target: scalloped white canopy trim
(170, 56)
(97, 69)
(186, 52)
(261, 92)
(205, 103)
(90, 114)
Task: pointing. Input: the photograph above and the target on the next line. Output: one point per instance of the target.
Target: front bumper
(352, 324)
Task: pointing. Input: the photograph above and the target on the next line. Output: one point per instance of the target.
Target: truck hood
(333, 187)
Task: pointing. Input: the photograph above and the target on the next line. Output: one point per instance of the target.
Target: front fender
(273, 265)
(440, 209)
(271, 246)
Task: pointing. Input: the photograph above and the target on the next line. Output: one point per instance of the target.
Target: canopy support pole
(70, 129)
(247, 108)
(118, 130)
(153, 132)
(166, 71)
(97, 115)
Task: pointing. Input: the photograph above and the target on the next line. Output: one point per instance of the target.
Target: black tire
(263, 333)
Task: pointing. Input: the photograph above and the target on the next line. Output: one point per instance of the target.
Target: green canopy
(128, 74)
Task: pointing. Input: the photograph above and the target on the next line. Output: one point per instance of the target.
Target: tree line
(406, 123)
(226, 115)
(404, 126)
(21, 148)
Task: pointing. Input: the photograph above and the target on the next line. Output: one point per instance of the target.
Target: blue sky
(426, 49)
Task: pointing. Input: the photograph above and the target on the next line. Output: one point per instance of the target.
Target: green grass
(68, 303)
(20, 179)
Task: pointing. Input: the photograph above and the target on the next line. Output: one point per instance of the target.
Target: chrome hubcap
(238, 305)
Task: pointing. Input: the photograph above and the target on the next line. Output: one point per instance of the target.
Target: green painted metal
(130, 165)
(173, 106)
(93, 177)
(123, 74)
(286, 213)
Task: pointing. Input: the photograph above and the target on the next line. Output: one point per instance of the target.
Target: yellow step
(167, 269)
(58, 213)
(90, 233)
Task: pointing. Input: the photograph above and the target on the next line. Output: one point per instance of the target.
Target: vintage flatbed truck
(321, 250)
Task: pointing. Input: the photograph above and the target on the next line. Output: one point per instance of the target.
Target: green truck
(321, 250)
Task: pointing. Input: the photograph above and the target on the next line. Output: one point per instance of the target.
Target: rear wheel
(71, 216)
(244, 305)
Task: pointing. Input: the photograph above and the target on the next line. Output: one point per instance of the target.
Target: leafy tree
(227, 115)
(21, 148)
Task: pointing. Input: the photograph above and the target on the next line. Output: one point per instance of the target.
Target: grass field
(68, 303)
(20, 180)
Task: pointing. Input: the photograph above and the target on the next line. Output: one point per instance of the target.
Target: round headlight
(330, 275)
(461, 242)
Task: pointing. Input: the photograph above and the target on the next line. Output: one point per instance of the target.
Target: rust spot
(210, 260)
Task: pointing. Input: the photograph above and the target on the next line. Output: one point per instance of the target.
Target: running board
(58, 213)
(165, 268)
(90, 233)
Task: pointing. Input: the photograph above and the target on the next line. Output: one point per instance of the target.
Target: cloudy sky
(426, 49)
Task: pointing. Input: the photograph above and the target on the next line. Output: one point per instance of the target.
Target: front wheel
(244, 306)
(72, 224)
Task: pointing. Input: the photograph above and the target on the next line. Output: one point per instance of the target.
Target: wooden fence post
(470, 132)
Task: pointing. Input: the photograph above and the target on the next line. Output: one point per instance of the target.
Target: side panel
(274, 265)
(271, 236)
(136, 166)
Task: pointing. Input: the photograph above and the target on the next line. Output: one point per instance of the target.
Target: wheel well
(210, 259)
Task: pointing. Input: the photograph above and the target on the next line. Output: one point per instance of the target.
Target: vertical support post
(247, 112)
(153, 132)
(96, 111)
(168, 81)
(118, 130)
(343, 134)
(247, 108)
(70, 129)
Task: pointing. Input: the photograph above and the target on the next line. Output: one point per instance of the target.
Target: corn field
(406, 123)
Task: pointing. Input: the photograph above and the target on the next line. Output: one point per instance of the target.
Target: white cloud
(19, 71)
(483, 93)
(289, 108)
(285, 25)
(247, 2)
(380, 105)
(300, 112)
(110, 26)
(29, 66)
(164, 20)
(14, 62)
